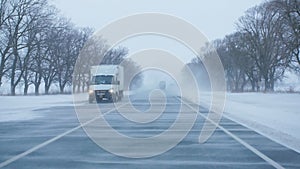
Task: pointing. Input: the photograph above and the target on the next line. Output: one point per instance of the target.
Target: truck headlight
(91, 91)
(111, 90)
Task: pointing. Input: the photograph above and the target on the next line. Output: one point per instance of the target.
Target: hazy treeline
(265, 45)
(40, 47)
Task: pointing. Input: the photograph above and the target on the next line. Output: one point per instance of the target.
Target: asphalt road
(30, 144)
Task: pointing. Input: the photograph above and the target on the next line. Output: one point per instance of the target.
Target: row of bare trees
(265, 45)
(37, 45)
(40, 47)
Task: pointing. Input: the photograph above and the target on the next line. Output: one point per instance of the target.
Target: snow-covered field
(275, 115)
(16, 108)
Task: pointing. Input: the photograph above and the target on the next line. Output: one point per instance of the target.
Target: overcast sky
(214, 18)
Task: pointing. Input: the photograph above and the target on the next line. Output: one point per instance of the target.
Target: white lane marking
(7, 162)
(248, 146)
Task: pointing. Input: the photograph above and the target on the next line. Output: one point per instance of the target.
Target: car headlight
(111, 90)
(91, 91)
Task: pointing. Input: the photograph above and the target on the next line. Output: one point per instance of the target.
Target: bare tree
(7, 11)
(289, 12)
(21, 47)
(37, 45)
(117, 56)
(132, 77)
(65, 50)
(37, 23)
(93, 51)
(40, 57)
(262, 30)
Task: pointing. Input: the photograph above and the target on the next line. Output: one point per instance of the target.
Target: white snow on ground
(16, 108)
(275, 115)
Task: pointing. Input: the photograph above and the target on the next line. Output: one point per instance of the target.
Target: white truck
(107, 82)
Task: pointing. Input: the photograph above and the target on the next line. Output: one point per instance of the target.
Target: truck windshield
(102, 79)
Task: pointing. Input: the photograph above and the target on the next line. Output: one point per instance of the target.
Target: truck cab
(106, 83)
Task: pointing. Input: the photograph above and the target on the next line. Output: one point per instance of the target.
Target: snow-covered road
(56, 139)
(275, 115)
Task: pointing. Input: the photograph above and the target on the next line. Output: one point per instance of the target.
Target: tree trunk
(47, 87)
(61, 88)
(78, 86)
(252, 85)
(83, 87)
(12, 79)
(13, 90)
(272, 85)
(78, 83)
(26, 86)
(268, 86)
(36, 89)
(74, 88)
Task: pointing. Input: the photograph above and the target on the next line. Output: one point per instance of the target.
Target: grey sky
(214, 18)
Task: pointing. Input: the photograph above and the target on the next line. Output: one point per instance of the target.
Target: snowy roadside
(275, 116)
(18, 108)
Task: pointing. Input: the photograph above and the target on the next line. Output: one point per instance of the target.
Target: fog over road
(74, 149)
